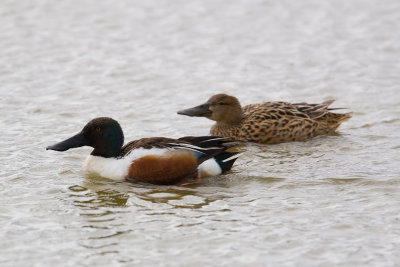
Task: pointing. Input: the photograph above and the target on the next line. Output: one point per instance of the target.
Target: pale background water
(331, 201)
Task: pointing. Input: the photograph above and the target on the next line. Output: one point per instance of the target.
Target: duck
(267, 122)
(153, 160)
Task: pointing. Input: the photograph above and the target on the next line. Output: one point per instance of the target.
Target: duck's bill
(199, 111)
(72, 142)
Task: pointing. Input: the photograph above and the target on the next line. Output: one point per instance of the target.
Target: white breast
(117, 168)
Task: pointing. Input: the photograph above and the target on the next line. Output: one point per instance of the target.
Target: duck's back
(278, 122)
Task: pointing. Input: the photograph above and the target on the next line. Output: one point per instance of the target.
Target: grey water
(330, 201)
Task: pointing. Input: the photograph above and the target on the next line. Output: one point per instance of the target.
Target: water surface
(333, 200)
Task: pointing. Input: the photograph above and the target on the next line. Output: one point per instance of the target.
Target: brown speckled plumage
(268, 122)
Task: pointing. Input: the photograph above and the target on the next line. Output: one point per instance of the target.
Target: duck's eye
(98, 129)
(221, 103)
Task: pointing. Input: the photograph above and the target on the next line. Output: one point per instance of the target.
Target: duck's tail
(225, 160)
(212, 154)
(219, 164)
(333, 120)
(322, 112)
(207, 147)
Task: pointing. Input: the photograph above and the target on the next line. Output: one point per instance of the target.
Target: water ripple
(330, 201)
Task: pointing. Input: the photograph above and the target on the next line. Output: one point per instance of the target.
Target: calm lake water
(331, 201)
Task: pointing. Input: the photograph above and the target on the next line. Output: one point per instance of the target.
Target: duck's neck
(229, 124)
(225, 129)
(106, 151)
(231, 118)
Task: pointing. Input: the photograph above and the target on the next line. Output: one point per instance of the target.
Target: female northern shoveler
(268, 122)
(156, 160)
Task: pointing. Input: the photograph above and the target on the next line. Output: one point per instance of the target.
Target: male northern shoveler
(156, 160)
(268, 122)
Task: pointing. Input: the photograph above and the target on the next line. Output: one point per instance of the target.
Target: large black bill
(199, 111)
(74, 141)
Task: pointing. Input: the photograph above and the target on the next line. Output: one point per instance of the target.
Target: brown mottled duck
(268, 122)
